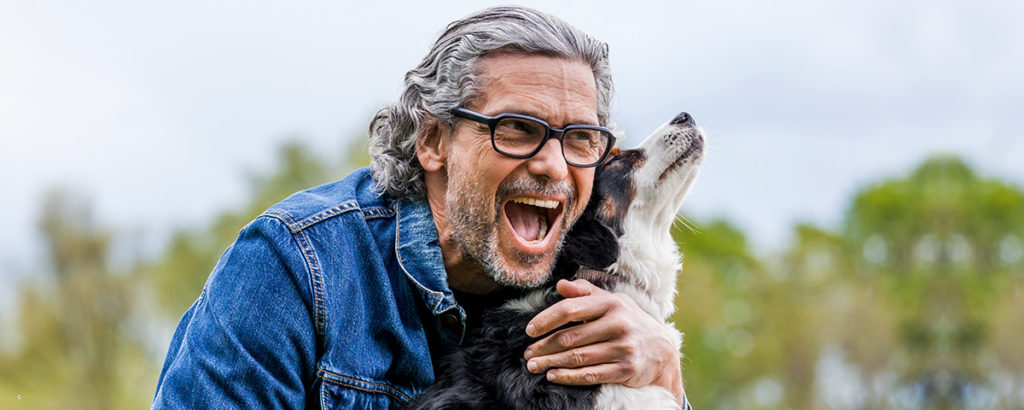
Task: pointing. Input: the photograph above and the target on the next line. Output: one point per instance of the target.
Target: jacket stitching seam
(316, 279)
(352, 386)
(284, 217)
(313, 269)
(386, 388)
(323, 397)
(322, 215)
(377, 213)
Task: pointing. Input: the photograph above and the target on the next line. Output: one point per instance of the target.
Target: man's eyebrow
(535, 114)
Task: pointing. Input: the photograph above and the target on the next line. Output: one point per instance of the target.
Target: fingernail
(530, 329)
(529, 354)
(531, 366)
(551, 377)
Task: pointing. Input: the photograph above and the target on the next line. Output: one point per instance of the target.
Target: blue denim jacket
(333, 298)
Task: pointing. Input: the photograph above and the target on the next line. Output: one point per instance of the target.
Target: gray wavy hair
(448, 78)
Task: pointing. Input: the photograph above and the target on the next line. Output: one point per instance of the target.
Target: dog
(621, 243)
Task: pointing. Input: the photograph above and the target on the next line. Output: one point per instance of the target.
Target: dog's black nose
(682, 119)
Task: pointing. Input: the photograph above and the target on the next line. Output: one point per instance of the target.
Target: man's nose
(549, 161)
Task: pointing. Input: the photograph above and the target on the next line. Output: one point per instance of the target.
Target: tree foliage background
(915, 301)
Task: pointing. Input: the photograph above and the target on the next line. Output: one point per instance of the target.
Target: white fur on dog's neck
(652, 260)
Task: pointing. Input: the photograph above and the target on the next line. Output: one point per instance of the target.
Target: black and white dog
(620, 243)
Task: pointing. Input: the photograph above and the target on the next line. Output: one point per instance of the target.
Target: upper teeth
(543, 203)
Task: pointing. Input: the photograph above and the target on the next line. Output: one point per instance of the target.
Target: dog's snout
(682, 119)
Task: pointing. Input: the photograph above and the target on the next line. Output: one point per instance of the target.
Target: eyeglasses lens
(584, 146)
(518, 136)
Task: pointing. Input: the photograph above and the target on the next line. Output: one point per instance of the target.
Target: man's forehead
(538, 86)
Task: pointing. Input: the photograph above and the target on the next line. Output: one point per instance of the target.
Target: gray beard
(475, 232)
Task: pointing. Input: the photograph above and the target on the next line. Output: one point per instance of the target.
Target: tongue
(525, 220)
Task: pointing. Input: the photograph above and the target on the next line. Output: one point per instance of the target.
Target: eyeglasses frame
(556, 133)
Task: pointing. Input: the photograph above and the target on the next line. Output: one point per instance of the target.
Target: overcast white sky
(157, 110)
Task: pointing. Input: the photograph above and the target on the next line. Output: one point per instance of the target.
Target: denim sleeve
(249, 340)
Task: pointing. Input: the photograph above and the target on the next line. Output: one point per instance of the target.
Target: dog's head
(637, 192)
(661, 170)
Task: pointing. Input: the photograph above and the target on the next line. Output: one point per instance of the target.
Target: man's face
(510, 215)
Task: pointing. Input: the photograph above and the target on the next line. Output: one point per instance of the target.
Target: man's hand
(616, 342)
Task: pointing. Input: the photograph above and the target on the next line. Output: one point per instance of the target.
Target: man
(339, 295)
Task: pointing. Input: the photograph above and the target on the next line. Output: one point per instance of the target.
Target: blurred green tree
(79, 346)
(941, 243)
(713, 309)
(916, 301)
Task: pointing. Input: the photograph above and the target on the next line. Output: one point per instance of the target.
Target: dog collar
(601, 278)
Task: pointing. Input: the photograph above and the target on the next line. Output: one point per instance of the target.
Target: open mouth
(532, 218)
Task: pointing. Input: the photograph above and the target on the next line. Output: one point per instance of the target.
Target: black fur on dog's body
(489, 371)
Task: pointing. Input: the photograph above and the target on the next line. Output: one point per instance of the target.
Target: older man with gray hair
(341, 296)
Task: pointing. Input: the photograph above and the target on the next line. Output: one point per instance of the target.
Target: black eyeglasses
(522, 136)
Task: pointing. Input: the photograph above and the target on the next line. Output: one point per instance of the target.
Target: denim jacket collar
(418, 250)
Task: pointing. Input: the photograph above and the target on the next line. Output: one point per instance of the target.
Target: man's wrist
(677, 389)
(671, 379)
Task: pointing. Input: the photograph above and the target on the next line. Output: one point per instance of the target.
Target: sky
(157, 111)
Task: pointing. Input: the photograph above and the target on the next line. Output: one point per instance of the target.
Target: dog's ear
(591, 243)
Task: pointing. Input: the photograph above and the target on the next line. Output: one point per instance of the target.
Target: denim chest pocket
(338, 391)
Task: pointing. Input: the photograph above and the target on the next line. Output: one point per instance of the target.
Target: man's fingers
(602, 373)
(575, 358)
(570, 337)
(576, 288)
(579, 309)
(575, 308)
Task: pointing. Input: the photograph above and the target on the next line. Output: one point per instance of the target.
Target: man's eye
(581, 136)
(517, 128)
(516, 125)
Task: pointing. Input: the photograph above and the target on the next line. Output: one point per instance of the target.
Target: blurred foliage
(914, 301)
(78, 340)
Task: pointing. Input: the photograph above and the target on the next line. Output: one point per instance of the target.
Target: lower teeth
(543, 229)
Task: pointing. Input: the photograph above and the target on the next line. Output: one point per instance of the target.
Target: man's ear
(432, 146)
(591, 243)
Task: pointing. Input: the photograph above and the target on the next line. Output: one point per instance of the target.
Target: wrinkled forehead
(558, 90)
